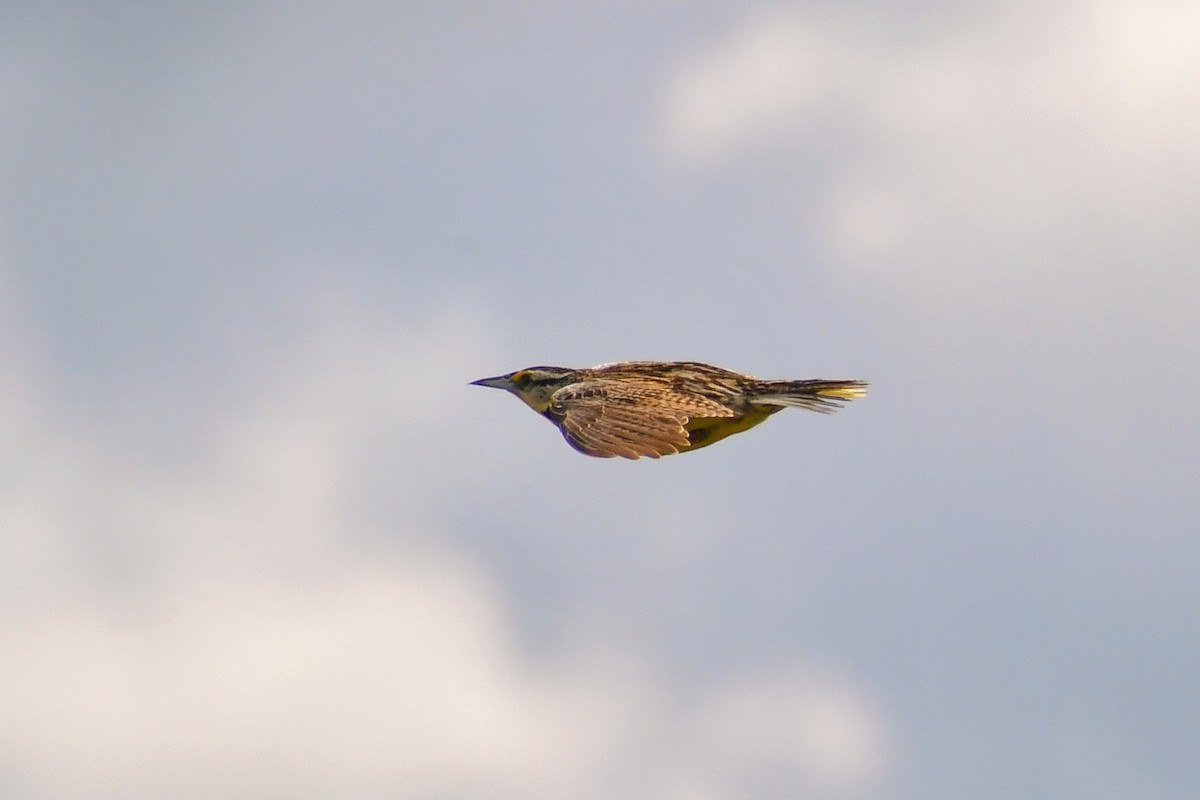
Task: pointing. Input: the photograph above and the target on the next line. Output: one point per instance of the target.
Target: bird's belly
(703, 431)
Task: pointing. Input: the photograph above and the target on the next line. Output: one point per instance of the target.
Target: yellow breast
(704, 431)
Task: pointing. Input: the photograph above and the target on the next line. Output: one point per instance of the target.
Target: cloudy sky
(259, 539)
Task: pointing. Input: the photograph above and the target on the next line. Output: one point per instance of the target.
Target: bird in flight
(657, 408)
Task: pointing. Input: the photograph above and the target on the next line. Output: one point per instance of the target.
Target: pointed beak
(498, 382)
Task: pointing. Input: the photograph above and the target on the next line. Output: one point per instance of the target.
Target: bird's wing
(607, 418)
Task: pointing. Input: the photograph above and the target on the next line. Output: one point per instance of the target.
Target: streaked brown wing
(607, 418)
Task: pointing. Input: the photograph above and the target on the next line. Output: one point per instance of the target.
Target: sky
(259, 538)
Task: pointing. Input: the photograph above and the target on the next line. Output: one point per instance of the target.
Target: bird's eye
(522, 379)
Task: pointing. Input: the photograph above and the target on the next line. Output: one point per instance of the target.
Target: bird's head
(533, 385)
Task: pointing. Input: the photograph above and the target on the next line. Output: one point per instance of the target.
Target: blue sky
(259, 538)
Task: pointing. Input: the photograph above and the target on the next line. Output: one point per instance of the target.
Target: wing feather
(607, 418)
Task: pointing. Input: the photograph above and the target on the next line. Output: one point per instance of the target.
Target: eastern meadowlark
(656, 408)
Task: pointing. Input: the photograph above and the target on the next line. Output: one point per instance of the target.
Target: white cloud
(823, 732)
(759, 81)
(239, 627)
(1006, 75)
(995, 127)
(1030, 130)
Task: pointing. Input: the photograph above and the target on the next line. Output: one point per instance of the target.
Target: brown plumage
(656, 408)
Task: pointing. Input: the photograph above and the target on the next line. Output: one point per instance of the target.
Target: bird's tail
(816, 395)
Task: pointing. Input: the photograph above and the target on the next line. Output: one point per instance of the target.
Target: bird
(657, 408)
